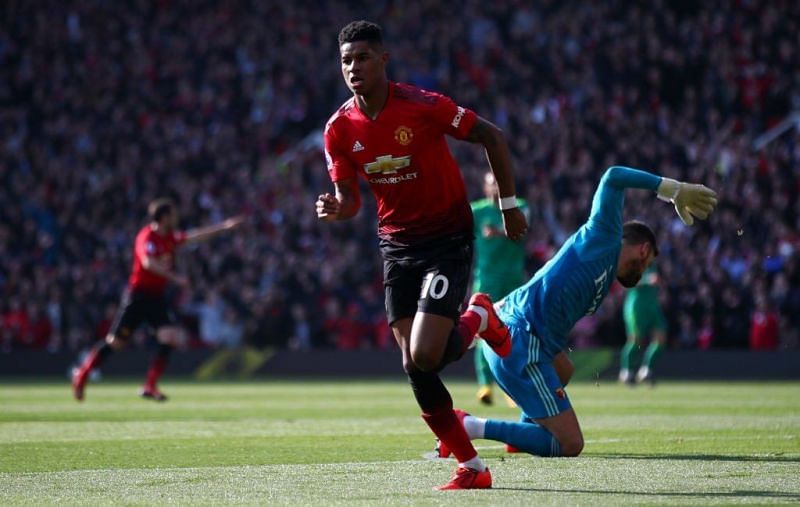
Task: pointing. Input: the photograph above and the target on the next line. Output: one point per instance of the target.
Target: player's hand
(328, 207)
(233, 222)
(515, 224)
(697, 200)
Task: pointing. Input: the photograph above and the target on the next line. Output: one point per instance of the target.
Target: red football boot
(468, 478)
(511, 449)
(79, 378)
(152, 393)
(496, 333)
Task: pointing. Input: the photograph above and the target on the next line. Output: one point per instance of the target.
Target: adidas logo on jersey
(357, 147)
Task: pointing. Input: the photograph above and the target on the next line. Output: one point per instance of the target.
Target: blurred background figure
(211, 102)
(644, 320)
(499, 268)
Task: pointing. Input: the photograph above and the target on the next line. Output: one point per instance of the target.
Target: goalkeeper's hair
(158, 208)
(635, 232)
(362, 30)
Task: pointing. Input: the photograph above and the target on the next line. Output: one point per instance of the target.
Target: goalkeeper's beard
(632, 274)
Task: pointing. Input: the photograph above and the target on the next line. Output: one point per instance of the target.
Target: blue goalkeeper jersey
(574, 282)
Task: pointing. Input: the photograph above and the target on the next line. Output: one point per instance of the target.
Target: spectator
(231, 330)
(101, 104)
(210, 314)
(763, 325)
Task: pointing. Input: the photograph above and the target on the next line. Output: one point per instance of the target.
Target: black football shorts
(137, 308)
(430, 278)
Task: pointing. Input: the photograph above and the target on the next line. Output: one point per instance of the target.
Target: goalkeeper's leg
(484, 374)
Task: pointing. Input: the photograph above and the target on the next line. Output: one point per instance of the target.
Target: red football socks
(157, 368)
(468, 326)
(445, 425)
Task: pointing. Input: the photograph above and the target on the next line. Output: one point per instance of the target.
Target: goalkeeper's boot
(441, 448)
(496, 333)
(511, 449)
(484, 395)
(468, 478)
(152, 393)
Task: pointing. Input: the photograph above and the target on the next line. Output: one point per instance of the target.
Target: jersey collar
(389, 95)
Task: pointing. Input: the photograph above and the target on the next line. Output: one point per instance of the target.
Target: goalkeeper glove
(689, 199)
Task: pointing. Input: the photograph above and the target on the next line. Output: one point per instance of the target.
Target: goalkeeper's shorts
(533, 385)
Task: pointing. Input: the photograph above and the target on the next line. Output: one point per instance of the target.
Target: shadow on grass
(702, 457)
(776, 495)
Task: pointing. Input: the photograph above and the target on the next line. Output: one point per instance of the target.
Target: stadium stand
(105, 105)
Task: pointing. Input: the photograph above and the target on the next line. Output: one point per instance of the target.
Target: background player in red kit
(143, 300)
(393, 135)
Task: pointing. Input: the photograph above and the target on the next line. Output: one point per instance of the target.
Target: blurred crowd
(220, 104)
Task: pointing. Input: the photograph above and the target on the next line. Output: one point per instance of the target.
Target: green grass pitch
(362, 443)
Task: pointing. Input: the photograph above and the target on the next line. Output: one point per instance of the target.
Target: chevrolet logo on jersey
(387, 164)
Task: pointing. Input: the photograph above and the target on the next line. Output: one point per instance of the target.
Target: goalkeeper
(572, 284)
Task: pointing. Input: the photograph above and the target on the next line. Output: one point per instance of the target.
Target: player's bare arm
(160, 268)
(499, 156)
(204, 233)
(343, 205)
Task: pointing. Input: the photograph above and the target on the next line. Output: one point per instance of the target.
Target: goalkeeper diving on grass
(572, 284)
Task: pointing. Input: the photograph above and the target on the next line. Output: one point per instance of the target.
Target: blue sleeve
(609, 198)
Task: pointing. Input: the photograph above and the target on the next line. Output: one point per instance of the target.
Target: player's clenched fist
(327, 207)
(515, 224)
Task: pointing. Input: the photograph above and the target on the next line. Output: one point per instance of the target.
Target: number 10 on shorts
(435, 285)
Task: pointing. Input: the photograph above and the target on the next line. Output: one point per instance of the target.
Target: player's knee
(571, 446)
(115, 342)
(408, 365)
(169, 336)
(424, 361)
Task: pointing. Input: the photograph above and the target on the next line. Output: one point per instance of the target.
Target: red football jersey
(404, 157)
(162, 247)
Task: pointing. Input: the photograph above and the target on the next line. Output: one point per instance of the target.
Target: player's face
(634, 260)
(363, 66)
(169, 221)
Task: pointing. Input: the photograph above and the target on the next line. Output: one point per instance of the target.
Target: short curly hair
(635, 232)
(362, 30)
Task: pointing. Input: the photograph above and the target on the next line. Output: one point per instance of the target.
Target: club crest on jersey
(387, 164)
(403, 135)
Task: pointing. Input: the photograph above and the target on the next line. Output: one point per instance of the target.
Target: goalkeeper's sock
(526, 436)
(626, 355)
(474, 426)
(651, 354)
